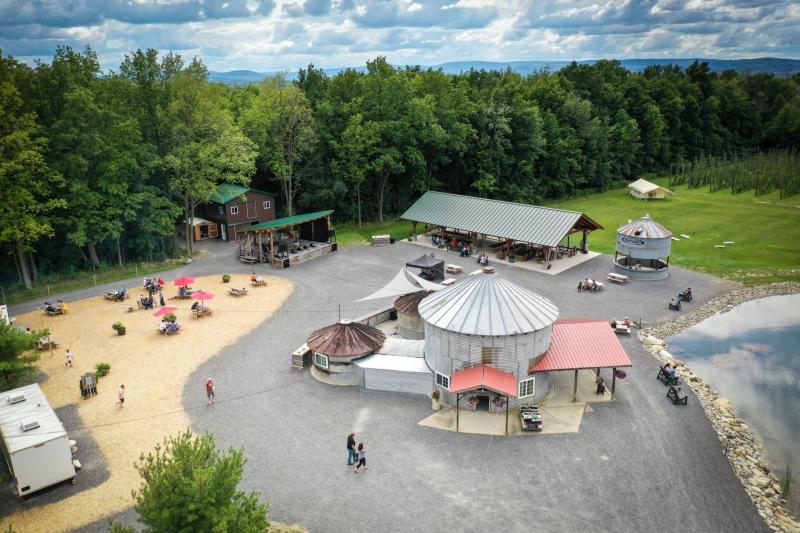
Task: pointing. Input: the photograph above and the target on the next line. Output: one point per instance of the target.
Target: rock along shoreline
(739, 442)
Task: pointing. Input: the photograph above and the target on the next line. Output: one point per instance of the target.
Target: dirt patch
(152, 367)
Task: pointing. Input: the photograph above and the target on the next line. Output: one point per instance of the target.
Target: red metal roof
(582, 343)
(484, 377)
(346, 339)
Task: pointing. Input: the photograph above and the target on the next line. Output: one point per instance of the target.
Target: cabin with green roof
(235, 207)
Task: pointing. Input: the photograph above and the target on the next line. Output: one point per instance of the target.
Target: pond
(751, 355)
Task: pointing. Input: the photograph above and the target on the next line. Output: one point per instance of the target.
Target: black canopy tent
(432, 268)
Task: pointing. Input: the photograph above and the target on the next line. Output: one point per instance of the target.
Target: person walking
(68, 362)
(362, 457)
(210, 390)
(351, 449)
(161, 294)
(121, 395)
(580, 286)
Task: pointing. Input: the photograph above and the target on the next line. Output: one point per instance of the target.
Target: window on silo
(488, 354)
(321, 360)
(527, 387)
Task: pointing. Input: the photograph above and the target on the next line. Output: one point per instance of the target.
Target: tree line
(99, 167)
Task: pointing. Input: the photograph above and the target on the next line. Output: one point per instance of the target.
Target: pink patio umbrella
(202, 296)
(165, 311)
(183, 281)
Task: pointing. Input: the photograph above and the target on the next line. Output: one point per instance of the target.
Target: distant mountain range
(774, 65)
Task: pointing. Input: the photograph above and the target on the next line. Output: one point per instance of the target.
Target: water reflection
(751, 355)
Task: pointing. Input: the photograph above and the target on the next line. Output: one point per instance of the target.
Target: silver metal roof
(507, 220)
(645, 228)
(487, 304)
(34, 408)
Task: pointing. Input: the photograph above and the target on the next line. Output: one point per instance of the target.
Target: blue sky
(286, 34)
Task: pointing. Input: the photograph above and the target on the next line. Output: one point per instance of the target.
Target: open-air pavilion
(288, 240)
(513, 230)
(581, 344)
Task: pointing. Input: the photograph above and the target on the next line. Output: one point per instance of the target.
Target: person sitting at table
(182, 291)
(162, 327)
(627, 322)
(670, 371)
(594, 286)
(48, 307)
(196, 306)
(174, 327)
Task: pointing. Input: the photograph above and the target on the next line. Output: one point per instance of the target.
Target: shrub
(116, 326)
(435, 394)
(17, 358)
(226, 278)
(102, 369)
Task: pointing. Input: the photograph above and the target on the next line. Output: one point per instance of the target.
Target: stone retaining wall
(739, 442)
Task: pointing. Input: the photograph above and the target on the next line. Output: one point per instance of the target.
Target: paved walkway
(637, 464)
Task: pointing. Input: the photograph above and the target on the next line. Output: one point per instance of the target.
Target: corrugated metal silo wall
(447, 352)
(639, 248)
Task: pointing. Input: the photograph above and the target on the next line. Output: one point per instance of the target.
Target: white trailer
(34, 443)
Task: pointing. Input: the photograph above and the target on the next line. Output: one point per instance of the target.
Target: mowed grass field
(765, 230)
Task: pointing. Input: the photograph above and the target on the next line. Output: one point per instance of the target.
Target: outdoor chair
(685, 296)
(677, 398)
(665, 379)
(675, 305)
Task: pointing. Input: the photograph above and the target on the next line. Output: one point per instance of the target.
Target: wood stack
(381, 240)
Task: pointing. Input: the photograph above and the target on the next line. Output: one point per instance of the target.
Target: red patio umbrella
(202, 295)
(165, 311)
(182, 281)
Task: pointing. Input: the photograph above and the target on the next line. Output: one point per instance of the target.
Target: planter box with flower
(226, 278)
(119, 327)
(435, 404)
(499, 402)
(102, 369)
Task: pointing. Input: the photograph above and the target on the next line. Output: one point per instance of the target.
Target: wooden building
(235, 207)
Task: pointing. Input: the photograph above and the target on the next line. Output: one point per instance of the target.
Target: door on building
(251, 210)
(223, 227)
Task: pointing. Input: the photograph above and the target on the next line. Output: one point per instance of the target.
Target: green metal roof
(506, 220)
(287, 221)
(228, 191)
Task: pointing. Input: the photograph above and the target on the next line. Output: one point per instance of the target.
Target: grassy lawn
(347, 234)
(18, 294)
(765, 229)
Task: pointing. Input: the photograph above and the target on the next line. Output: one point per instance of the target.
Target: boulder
(653, 340)
(724, 404)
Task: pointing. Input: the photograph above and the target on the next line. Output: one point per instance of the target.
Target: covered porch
(285, 241)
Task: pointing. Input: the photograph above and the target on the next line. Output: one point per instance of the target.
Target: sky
(266, 35)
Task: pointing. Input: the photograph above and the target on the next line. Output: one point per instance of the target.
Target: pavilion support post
(597, 375)
(585, 242)
(547, 257)
(414, 230)
(613, 380)
(328, 224)
(575, 388)
(458, 409)
(260, 249)
(240, 249)
(271, 250)
(506, 416)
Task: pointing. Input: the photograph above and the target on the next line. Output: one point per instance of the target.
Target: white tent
(646, 190)
(403, 283)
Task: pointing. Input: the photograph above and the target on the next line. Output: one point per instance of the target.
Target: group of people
(153, 285)
(166, 327)
(121, 294)
(588, 285)
(356, 454)
(669, 371)
(483, 260)
(146, 302)
(59, 307)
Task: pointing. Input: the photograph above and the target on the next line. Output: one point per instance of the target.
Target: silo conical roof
(346, 339)
(487, 304)
(645, 228)
(409, 303)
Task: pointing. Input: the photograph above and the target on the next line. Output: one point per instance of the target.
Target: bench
(665, 379)
(685, 296)
(588, 285)
(675, 305)
(617, 278)
(675, 395)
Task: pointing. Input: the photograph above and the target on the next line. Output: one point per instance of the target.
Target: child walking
(68, 362)
(362, 457)
(121, 395)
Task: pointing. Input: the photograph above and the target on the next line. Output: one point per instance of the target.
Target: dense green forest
(99, 167)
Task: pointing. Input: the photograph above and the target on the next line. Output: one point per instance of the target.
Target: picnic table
(202, 311)
(620, 327)
(47, 342)
(453, 269)
(588, 284)
(448, 281)
(258, 282)
(617, 278)
(237, 291)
